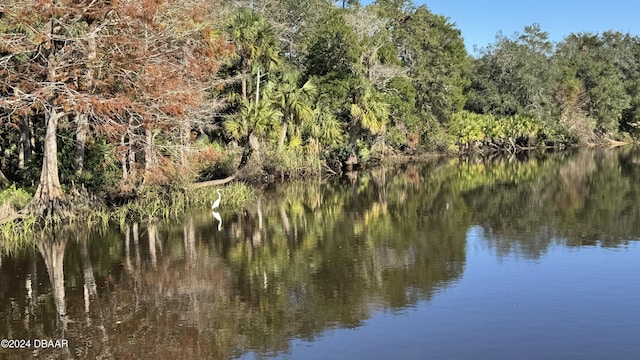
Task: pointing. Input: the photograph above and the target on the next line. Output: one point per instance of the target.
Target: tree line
(128, 95)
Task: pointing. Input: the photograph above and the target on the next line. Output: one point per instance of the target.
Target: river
(534, 257)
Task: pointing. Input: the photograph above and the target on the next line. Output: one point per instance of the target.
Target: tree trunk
(246, 155)
(82, 120)
(244, 84)
(283, 135)
(123, 145)
(185, 134)
(257, 87)
(49, 198)
(82, 127)
(149, 155)
(25, 143)
(216, 182)
(3, 179)
(132, 160)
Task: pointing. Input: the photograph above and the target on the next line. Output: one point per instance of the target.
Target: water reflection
(218, 218)
(309, 256)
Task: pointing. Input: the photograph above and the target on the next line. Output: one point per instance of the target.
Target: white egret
(217, 202)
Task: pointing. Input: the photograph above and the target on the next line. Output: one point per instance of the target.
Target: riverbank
(17, 225)
(159, 203)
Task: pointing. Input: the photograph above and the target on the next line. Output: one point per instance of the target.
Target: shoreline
(153, 202)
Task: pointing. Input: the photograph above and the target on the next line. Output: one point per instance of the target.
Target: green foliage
(605, 65)
(29, 175)
(260, 119)
(334, 95)
(100, 166)
(332, 47)
(477, 129)
(293, 101)
(401, 96)
(371, 111)
(584, 87)
(253, 36)
(293, 161)
(364, 151)
(16, 198)
(515, 76)
(325, 128)
(434, 53)
(236, 196)
(327, 82)
(469, 127)
(17, 235)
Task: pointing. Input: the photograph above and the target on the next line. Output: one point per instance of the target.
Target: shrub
(16, 198)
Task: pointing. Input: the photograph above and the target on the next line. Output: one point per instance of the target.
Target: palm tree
(256, 44)
(293, 101)
(371, 111)
(253, 119)
(325, 127)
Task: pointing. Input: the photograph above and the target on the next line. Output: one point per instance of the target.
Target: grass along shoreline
(154, 203)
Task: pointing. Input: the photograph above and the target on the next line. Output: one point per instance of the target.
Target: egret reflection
(216, 215)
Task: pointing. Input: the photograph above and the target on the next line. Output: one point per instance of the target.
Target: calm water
(530, 258)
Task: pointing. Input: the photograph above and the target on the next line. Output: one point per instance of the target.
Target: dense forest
(132, 95)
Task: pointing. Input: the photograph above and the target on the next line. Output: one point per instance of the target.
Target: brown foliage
(413, 140)
(166, 172)
(574, 102)
(128, 65)
(204, 158)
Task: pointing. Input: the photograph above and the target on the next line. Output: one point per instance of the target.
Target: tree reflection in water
(52, 251)
(308, 256)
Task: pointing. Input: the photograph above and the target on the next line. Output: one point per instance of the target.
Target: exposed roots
(56, 210)
(8, 213)
(64, 209)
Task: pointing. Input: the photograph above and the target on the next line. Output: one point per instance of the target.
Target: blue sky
(480, 20)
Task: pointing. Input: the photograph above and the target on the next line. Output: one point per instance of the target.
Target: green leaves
(433, 50)
(252, 35)
(589, 79)
(293, 101)
(252, 118)
(605, 66)
(469, 128)
(515, 76)
(371, 111)
(333, 48)
(326, 128)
